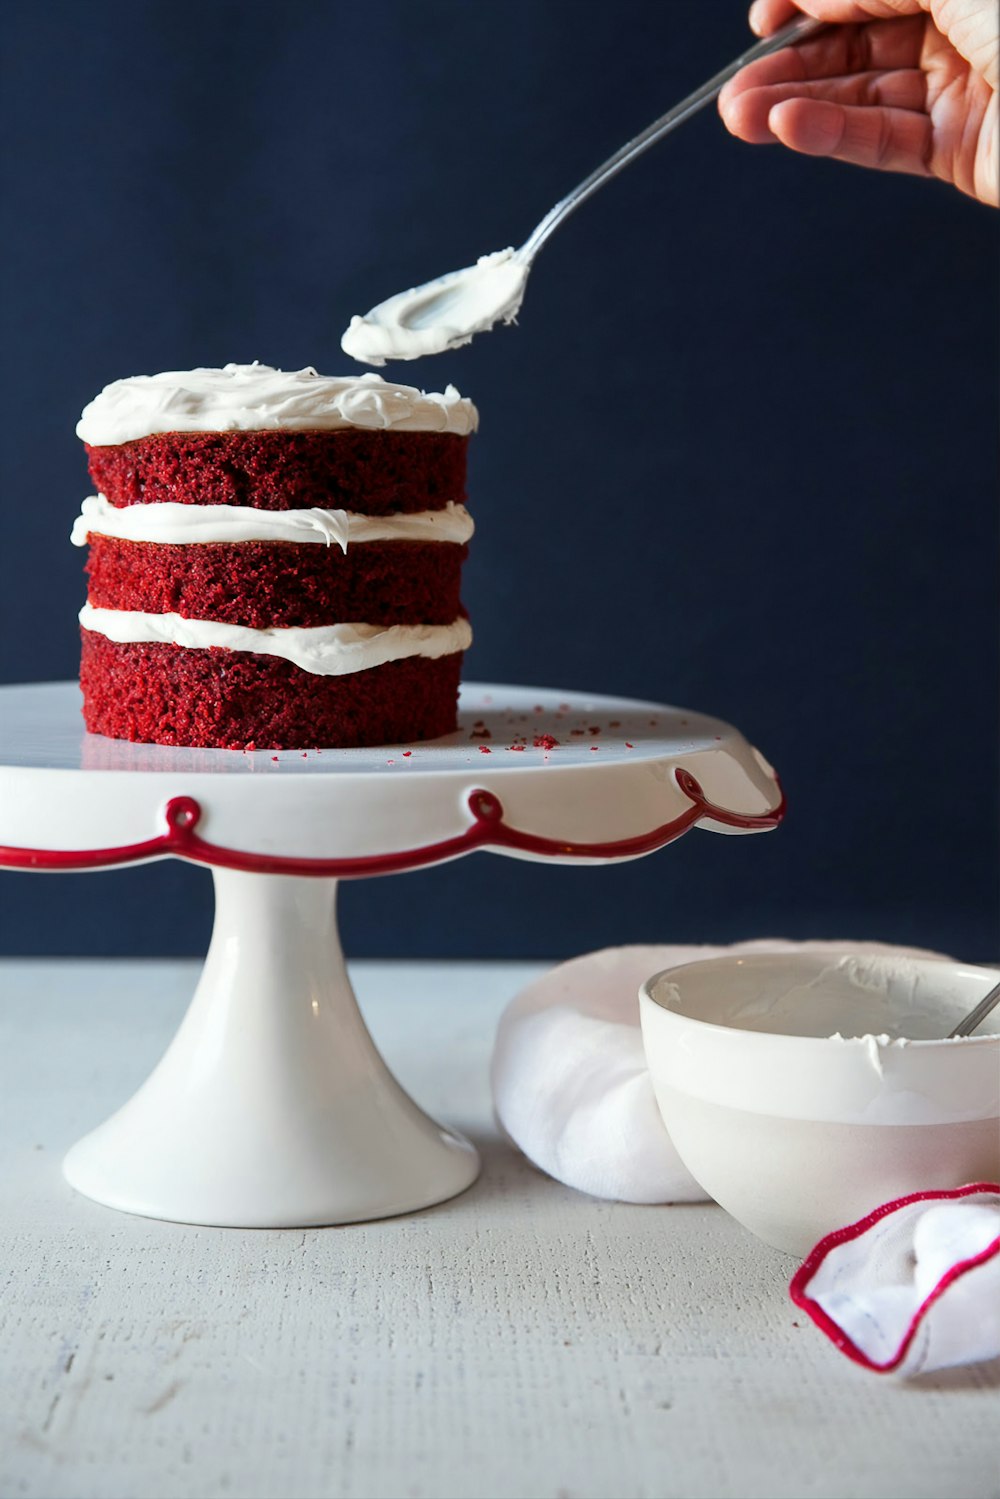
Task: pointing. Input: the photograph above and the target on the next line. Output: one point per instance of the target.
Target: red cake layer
(278, 583)
(372, 473)
(220, 699)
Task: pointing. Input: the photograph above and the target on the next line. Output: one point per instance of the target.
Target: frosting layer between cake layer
(322, 650)
(256, 397)
(182, 525)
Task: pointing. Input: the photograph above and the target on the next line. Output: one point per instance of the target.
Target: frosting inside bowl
(849, 997)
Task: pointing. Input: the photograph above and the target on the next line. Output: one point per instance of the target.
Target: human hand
(902, 85)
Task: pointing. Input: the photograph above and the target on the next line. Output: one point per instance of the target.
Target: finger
(881, 45)
(892, 140)
(767, 15)
(748, 114)
(970, 25)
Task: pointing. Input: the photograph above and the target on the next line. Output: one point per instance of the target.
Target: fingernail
(756, 19)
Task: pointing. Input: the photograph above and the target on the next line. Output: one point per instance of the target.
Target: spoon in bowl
(449, 311)
(978, 1015)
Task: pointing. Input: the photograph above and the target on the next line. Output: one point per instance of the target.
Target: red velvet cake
(274, 560)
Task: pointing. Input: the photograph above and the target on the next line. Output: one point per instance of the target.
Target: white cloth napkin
(914, 1286)
(570, 1084)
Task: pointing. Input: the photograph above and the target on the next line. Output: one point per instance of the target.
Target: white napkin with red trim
(912, 1287)
(570, 1083)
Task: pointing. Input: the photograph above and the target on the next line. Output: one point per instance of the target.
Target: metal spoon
(786, 36)
(975, 1017)
(446, 313)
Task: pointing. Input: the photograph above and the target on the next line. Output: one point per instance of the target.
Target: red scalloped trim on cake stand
(486, 830)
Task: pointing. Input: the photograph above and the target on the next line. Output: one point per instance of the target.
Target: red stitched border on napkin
(798, 1289)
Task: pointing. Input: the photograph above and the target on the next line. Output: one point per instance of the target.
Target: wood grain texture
(521, 1342)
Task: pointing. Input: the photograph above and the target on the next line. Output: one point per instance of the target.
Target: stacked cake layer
(274, 560)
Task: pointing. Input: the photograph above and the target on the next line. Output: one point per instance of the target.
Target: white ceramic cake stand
(271, 1107)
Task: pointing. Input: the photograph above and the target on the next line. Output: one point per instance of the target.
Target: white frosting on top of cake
(256, 398)
(169, 523)
(442, 314)
(323, 650)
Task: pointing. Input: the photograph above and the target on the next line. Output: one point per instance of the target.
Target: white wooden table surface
(521, 1340)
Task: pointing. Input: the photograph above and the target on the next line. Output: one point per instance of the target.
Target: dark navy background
(740, 454)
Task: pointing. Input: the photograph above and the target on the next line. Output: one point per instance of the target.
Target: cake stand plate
(271, 1107)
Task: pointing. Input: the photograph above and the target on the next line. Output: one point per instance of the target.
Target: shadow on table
(971, 1377)
(510, 1180)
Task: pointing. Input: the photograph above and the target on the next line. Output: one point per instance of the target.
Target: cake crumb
(516, 747)
(407, 754)
(275, 759)
(629, 746)
(545, 741)
(484, 749)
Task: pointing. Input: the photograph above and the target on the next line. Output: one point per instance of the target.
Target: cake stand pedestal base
(271, 1107)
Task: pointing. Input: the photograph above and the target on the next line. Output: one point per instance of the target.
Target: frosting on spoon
(441, 314)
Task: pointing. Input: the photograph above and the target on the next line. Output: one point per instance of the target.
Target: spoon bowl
(441, 314)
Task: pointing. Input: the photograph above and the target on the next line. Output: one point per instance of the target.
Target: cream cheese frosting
(442, 314)
(323, 650)
(169, 523)
(256, 398)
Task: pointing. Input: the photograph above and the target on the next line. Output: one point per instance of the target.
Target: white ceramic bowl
(784, 1085)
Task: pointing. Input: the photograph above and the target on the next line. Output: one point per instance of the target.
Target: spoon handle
(968, 1025)
(786, 36)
